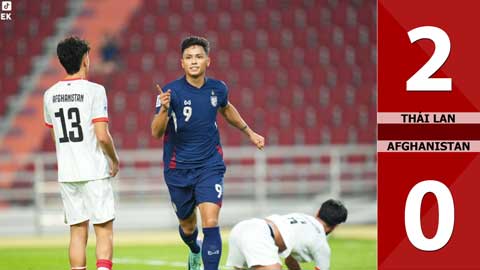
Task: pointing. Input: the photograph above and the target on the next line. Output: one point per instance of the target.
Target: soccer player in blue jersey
(193, 160)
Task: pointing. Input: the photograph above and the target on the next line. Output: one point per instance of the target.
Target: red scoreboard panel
(428, 134)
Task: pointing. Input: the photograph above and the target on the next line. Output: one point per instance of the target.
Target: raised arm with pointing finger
(186, 117)
(160, 121)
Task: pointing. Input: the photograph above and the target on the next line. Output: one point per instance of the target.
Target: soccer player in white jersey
(76, 111)
(259, 243)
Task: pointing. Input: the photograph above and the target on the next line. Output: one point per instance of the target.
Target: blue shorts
(190, 187)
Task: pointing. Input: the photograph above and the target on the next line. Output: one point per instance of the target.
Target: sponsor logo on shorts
(216, 252)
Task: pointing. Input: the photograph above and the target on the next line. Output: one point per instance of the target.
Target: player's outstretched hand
(164, 97)
(114, 166)
(257, 139)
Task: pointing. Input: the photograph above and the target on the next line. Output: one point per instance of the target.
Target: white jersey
(71, 107)
(305, 239)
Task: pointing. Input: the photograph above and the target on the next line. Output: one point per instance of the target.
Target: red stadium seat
(306, 65)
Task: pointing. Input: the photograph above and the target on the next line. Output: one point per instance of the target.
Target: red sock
(105, 264)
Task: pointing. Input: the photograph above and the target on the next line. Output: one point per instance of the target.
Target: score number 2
(421, 81)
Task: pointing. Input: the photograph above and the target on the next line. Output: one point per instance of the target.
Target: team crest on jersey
(213, 100)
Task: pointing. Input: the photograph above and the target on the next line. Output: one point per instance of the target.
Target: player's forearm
(108, 147)
(292, 264)
(234, 118)
(159, 123)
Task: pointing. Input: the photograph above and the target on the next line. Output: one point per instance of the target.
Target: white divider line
(155, 262)
(428, 117)
(453, 146)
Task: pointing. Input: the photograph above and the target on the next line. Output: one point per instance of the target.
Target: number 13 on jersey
(428, 134)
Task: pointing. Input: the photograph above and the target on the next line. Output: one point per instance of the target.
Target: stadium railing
(280, 178)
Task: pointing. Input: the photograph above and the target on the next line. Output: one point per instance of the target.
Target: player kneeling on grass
(259, 243)
(76, 111)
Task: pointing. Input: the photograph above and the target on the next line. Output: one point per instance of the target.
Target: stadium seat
(307, 66)
(22, 40)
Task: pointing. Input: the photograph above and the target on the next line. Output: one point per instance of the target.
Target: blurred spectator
(110, 54)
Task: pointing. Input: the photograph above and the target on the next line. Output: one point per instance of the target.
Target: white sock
(102, 268)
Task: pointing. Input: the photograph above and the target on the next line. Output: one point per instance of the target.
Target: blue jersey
(191, 139)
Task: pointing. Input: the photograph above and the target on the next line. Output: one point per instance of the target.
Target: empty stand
(22, 39)
(300, 71)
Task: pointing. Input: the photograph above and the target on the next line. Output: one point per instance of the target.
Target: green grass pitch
(348, 254)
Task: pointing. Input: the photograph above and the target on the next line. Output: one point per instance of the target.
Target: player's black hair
(70, 52)
(333, 212)
(194, 40)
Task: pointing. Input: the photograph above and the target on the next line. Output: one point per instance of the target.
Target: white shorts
(88, 200)
(252, 244)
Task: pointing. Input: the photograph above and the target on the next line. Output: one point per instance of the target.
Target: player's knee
(79, 230)
(210, 222)
(188, 227)
(188, 230)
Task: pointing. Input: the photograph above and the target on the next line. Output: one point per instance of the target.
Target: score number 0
(421, 81)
